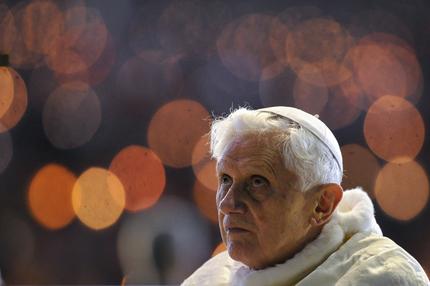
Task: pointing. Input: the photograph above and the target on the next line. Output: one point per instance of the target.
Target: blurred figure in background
(284, 216)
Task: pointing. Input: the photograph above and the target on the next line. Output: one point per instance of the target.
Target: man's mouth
(235, 230)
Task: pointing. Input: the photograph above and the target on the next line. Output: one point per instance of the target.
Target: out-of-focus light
(278, 90)
(6, 90)
(189, 27)
(6, 150)
(172, 222)
(50, 196)
(71, 115)
(316, 49)
(309, 97)
(402, 189)
(220, 248)
(7, 29)
(150, 77)
(394, 129)
(142, 174)
(377, 71)
(206, 201)
(98, 198)
(405, 55)
(18, 105)
(189, 120)
(286, 22)
(42, 25)
(245, 47)
(203, 166)
(98, 71)
(361, 168)
(82, 41)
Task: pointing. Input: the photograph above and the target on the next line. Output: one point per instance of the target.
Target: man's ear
(329, 198)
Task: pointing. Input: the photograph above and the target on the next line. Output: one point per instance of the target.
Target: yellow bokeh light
(402, 189)
(142, 174)
(50, 196)
(394, 129)
(175, 129)
(98, 198)
(203, 166)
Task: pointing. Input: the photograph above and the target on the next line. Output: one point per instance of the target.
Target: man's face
(263, 219)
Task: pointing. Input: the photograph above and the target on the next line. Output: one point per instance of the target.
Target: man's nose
(233, 202)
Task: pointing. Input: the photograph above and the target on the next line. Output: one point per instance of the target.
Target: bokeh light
(377, 71)
(143, 237)
(220, 248)
(205, 200)
(360, 168)
(42, 25)
(98, 198)
(175, 129)
(316, 49)
(245, 47)
(6, 150)
(402, 189)
(203, 166)
(18, 106)
(150, 77)
(71, 115)
(6, 90)
(7, 29)
(309, 97)
(20, 55)
(142, 174)
(394, 129)
(50, 196)
(82, 41)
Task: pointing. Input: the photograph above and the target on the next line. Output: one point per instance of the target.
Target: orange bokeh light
(142, 174)
(71, 115)
(203, 166)
(98, 198)
(377, 71)
(361, 168)
(6, 90)
(309, 97)
(7, 29)
(175, 129)
(18, 105)
(220, 248)
(50, 196)
(394, 129)
(245, 47)
(402, 190)
(82, 41)
(205, 200)
(42, 25)
(316, 49)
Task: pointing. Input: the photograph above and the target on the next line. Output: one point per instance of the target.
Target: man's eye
(258, 181)
(225, 179)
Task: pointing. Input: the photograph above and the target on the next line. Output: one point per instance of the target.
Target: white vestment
(349, 251)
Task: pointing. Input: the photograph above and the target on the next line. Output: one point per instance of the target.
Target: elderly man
(284, 216)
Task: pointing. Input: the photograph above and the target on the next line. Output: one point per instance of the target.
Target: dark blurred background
(105, 176)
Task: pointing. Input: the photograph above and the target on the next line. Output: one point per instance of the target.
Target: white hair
(303, 153)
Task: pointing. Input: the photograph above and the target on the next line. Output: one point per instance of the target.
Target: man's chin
(242, 253)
